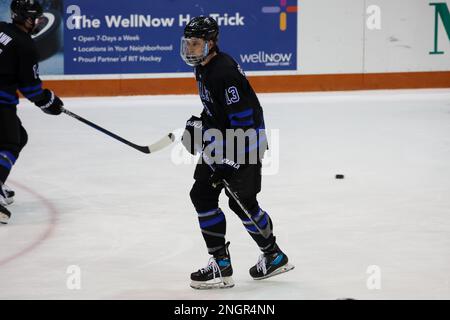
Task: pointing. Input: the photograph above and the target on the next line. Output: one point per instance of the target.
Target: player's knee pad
(250, 204)
(202, 199)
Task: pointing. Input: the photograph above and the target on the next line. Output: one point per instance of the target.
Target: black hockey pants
(247, 184)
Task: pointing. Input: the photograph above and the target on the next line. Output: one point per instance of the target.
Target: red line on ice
(44, 236)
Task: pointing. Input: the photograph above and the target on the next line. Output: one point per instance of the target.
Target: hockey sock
(263, 220)
(7, 160)
(213, 226)
(261, 217)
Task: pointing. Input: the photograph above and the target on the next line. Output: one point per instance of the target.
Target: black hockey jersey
(230, 102)
(18, 66)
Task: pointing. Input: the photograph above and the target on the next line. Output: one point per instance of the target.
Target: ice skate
(271, 264)
(217, 274)
(4, 215)
(6, 195)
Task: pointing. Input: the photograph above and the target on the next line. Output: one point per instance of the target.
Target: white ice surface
(126, 220)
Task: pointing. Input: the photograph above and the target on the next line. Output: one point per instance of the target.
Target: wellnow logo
(268, 59)
(441, 12)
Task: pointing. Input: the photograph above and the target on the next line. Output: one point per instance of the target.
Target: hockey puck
(339, 176)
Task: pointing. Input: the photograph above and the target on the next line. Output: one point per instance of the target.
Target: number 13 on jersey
(232, 95)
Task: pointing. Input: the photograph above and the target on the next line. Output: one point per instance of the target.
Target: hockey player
(19, 71)
(229, 104)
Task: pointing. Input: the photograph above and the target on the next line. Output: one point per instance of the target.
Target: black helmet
(21, 10)
(203, 28)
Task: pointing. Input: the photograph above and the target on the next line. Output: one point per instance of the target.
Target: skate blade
(4, 218)
(283, 269)
(218, 283)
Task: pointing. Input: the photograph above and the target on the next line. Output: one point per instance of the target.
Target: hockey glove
(50, 104)
(193, 135)
(226, 171)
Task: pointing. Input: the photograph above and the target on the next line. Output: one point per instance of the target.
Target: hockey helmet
(198, 32)
(22, 10)
(203, 28)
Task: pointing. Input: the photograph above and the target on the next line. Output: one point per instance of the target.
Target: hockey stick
(158, 145)
(264, 232)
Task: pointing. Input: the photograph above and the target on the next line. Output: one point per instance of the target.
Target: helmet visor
(193, 50)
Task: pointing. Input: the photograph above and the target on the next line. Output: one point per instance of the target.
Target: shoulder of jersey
(11, 31)
(227, 67)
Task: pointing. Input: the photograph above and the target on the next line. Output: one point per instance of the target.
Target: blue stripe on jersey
(242, 114)
(243, 123)
(8, 98)
(31, 89)
(29, 96)
(7, 95)
(15, 102)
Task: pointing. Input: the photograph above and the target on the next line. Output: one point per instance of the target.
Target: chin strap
(214, 49)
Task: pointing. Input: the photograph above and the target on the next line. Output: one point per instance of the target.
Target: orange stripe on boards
(291, 9)
(122, 87)
(294, 83)
(344, 82)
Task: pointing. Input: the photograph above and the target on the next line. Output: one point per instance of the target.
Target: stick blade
(162, 143)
